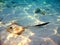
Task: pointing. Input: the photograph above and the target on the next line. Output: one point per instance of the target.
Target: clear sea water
(22, 12)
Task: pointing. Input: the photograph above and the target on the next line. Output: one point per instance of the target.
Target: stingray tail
(38, 25)
(43, 24)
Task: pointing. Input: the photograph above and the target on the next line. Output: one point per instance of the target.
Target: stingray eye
(11, 28)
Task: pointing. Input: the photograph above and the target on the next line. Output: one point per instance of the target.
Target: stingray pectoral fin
(20, 32)
(43, 24)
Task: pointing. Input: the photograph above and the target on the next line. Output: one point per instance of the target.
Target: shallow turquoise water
(22, 12)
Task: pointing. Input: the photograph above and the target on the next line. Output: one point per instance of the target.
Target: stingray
(19, 29)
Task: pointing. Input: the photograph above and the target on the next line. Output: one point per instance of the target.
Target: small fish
(19, 29)
(38, 10)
